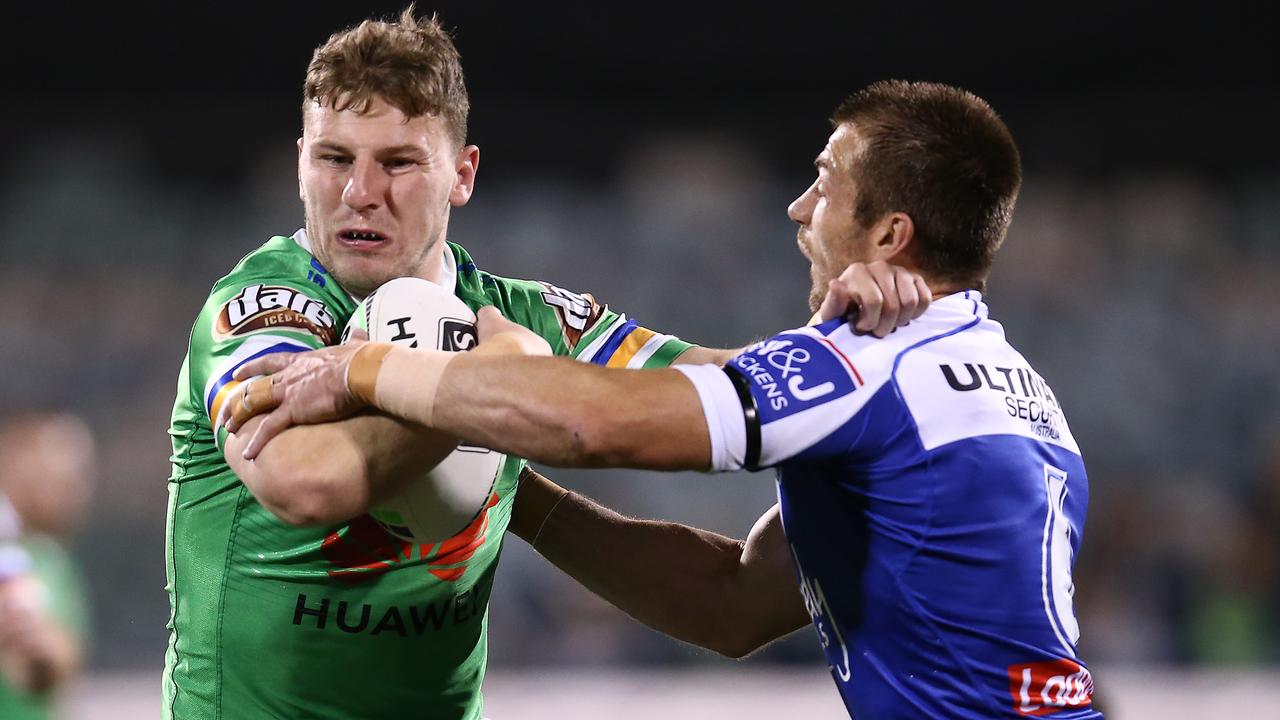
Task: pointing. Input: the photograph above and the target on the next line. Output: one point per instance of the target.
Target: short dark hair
(942, 156)
(412, 64)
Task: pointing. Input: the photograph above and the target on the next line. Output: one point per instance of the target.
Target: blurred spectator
(46, 465)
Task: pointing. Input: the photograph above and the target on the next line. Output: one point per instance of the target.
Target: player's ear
(301, 196)
(468, 161)
(893, 235)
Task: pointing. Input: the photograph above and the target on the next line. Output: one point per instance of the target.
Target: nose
(365, 185)
(801, 209)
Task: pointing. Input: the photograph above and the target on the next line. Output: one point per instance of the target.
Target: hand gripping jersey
(274, 621)
(933, 498)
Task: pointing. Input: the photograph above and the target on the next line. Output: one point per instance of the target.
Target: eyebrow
(822, 163)
(329, 146)
(403, 150)
(382, 152)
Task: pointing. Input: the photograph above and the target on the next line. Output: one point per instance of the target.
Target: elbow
(306, 502)
(307, 508)
(310, 495)
(740, 630)
(738, 643)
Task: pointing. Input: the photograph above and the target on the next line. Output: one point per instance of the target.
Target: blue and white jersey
(934, 499)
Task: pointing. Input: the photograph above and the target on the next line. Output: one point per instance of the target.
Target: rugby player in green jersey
(287, 599)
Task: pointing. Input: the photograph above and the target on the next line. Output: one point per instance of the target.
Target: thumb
(490, 322)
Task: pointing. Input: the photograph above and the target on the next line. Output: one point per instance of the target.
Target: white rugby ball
(420, 314)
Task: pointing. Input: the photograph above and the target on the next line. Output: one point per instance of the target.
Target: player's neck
(943, 289)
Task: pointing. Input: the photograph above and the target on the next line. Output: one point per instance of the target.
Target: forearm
(331, 472)
(565, 413)
(698, 355)
(676, 579)
(552, 410)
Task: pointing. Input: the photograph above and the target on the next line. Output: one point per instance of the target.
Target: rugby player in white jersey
(931, 495)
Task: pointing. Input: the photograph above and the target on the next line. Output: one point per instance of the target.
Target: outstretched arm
(330, 472)
(551, 410)
(730, 596)
(544, 409)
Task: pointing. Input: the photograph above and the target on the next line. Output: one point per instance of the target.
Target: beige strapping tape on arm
(397, 380)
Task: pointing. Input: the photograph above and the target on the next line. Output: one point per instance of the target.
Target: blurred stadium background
(647, 154)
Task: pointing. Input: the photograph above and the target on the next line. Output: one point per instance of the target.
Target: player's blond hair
(411, 64)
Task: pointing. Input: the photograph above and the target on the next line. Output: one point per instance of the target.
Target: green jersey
(63, 597)
(274, 621)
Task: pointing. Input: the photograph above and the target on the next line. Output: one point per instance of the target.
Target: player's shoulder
(489, 287)
(960, 317)
(565, 318)
(279, 286)
(279, 258)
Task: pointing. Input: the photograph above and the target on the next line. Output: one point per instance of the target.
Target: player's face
(377, 187)
(829, 235)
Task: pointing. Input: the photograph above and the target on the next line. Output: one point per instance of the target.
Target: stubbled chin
(359, 278)
(818, 289)
(815, 299)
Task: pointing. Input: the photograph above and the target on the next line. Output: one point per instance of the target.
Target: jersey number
(1055, 562)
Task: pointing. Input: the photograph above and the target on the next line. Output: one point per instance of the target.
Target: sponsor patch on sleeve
(265, 308)
(793, 372)
(577, 313)
(1049, 687)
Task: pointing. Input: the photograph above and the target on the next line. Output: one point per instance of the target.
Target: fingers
(490, 322)
(876, 297)
(265, 365)
(861, 285)
(490, 325)
(855, 295)
(835, 304)
(272, 425)
(886, 282)
(258, 395)
(358, 334)
(926, 296)
(913, 295)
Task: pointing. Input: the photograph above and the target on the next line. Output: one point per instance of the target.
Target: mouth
(362, 238)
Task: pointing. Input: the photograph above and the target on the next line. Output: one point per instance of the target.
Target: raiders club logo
(577, 313)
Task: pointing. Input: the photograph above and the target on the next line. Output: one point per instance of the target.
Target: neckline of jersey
(449, 269)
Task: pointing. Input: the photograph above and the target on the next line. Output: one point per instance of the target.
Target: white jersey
(933, 497)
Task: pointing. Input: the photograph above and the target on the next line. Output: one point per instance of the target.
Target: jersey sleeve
(578, 326)
(795, 396)
(245, 318)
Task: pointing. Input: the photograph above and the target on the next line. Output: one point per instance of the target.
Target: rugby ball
(417, 313)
